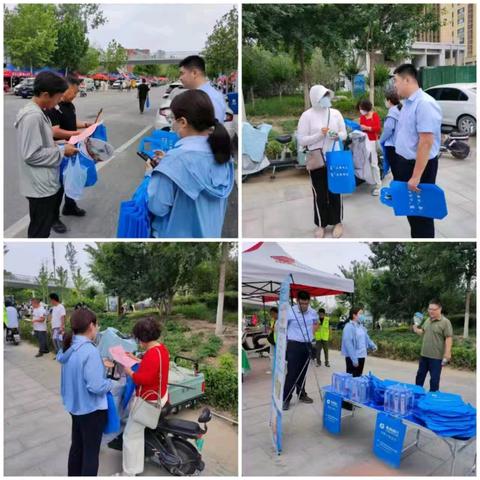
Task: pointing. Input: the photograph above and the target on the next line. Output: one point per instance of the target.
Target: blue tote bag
(113, 420)
(134, 217)
(430, 202)
(100, 133)
(340, 170)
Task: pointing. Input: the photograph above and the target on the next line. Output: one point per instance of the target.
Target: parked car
(26, 91)
(25, 81)
(172, 87)
(117, 84)
(458, 104)
(88, 85)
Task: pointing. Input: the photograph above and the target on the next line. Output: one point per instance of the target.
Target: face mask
(363, 112)
(325, 102)
(361, 318)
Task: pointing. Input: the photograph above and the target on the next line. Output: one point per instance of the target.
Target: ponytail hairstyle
(80, 322)
(354, 311)
(197, 109)
(392, 96)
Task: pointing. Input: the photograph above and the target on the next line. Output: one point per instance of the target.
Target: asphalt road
(117, 179)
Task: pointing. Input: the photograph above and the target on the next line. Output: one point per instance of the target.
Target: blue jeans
(432, 365)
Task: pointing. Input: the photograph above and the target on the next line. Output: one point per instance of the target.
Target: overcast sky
(26, 258)
(158, 27)
(325, 256)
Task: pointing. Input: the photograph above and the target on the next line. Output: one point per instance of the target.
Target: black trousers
(42, 341)
(327, 206)
(87, 431)
(298, 358)
(42, 215)
(355, 371)
(319, 346)
(70, 203)
(391, 158)
(420, 227)
(432, 365)
(141, 102)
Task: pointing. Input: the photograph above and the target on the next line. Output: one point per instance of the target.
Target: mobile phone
(145, 157)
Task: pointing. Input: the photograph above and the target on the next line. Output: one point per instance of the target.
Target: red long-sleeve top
(148, 374)
(373, 122)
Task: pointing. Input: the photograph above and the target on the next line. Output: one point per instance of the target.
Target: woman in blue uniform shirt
(189, 188)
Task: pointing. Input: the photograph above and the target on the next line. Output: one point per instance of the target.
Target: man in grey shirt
(40, 157)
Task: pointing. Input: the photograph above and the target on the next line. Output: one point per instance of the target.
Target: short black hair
(274, 309)
(49, 82)
(193, 61)
(407, 70)
(143, 80)
(321, 310)
(147, 329)
(74, 80)
(365, 104)
(8, 303)
(303, 295)
(435, 301)
(54, 296)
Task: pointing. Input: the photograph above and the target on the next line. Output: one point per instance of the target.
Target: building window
(461, 36)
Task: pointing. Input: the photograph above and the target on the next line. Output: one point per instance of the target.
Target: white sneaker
(319, 232)
(375, 192)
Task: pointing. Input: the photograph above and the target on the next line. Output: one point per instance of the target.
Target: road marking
(15, 229)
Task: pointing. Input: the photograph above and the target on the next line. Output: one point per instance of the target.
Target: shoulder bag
(315, 158)
(147, 412)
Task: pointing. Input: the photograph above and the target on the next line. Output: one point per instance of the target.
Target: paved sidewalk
(283, 207)
(311, 451)
(37, 428)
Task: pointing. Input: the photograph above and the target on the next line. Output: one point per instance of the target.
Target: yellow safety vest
(323, 330)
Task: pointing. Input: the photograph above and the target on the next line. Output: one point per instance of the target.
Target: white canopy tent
(266, 265)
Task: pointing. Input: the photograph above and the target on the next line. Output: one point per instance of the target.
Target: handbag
(145, 412)
(315, 158)
(340, 170)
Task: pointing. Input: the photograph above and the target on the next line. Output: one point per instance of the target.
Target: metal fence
(429, 77)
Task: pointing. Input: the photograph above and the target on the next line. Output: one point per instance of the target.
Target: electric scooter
(170, 445)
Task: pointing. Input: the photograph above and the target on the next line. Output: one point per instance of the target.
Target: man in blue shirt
(193, 76)
(417, 143)
(302, 322)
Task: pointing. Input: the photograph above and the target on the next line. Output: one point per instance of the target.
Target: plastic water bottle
(339, 383)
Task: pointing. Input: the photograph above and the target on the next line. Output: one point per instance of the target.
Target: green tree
(221, 47)
(323, 71)
(43, 279)
(383, 28)
(382, 74)
(61, 280)
(147, 70)
(90, 14)
(255, 77)
(283, 72)
(155, 270)
(293, 28)
(72, 44)
(90, 61)
(114, 57)
(30, 34)
(79, 282)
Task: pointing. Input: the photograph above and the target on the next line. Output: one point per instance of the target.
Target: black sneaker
(327, 364)
(39, 355)
(59, 227)
(74, 211)
(286, 406)
(305, 398)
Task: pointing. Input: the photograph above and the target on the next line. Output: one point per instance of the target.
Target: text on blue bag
(332, 412)
(388, 439)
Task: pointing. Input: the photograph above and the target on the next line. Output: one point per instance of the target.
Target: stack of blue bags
(447, 415)
(379, 386)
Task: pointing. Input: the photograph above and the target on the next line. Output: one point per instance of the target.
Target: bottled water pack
(340, 383)
(399, 400)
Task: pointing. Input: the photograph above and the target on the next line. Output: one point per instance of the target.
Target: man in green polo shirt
(436, 346)
(322, 337)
